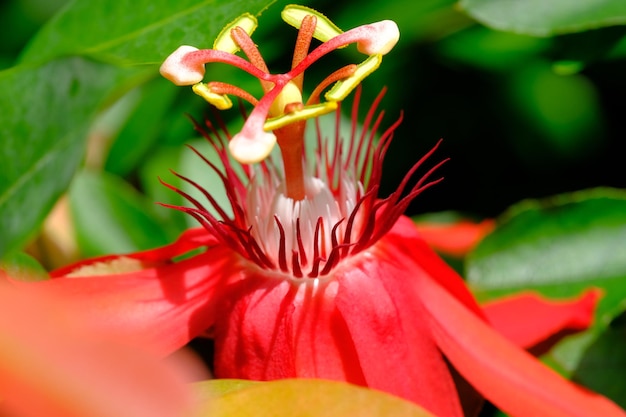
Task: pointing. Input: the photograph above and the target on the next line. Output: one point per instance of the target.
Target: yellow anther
(324, 30)
(221, 101)
(224, 42)
(342, 88)
(307, 112)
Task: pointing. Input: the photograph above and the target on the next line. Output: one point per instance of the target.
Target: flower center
(286, 216)
(305, 230)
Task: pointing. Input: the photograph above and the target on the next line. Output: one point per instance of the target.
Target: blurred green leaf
(588, 47)
(558, 247)
(299, 398)
(618, 50)
(143, 128)
(184, 161)
(41, 143)
(111, 217)
(19, 20)
(487, 49)
(24, 267)
(418, 20)
(48, 104)
(157, 166)
(560, 114)
(134, 31)
(603, 363)
(541, 18)
(442, 217)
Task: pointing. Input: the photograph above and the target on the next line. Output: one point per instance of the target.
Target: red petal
(511, 378)
(53, 364)
(277, 329)
(405, 237)
(189, 240)
(379, 300)
(162, 306)
(323, 345)
(455, 239)
(534, 323)
(253, 338)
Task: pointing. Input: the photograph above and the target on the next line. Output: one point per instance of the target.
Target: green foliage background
(528, 100)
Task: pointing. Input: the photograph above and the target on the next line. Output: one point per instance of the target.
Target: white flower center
(267, 203)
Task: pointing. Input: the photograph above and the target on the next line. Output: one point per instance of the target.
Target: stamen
(220, 101)
(303, 42)
(248, 47)
(365, 36)
(295, 15)
(225, 88)
(296, 115)
(224, 41)
(340, 74)
(341, 90)
(195, 60)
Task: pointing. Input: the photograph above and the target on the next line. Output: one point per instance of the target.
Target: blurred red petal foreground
(535, 324)
(309, 273)
(455, 239)
(381, 320)
(54, 364)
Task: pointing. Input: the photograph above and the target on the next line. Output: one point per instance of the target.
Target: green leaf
(48, 104)
(46, 113)
(545, 18)
(184, 161)
(585, 48)
(561, 115)
(111, 217)
(299, 398)
(24, 267)
(144, 127)
(491, 50)
(603, 364)
(423, 20)
(559, 247)
(618, 50)
(134, 31)
(157, 166)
